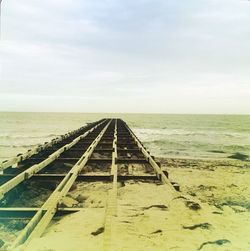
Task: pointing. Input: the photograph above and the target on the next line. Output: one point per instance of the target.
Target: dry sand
(212, 212)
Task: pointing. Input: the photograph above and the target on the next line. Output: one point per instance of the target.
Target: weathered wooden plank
(111, 207)
(10, 213)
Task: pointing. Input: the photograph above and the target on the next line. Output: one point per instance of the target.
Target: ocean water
(184, 136)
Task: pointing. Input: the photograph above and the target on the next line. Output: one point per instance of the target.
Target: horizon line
(132, 113)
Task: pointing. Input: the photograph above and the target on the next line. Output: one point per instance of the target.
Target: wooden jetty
(107, 145)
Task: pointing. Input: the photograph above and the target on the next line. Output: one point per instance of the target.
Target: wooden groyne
(108, 147)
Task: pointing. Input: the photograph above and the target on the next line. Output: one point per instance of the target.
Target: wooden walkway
(109, 146)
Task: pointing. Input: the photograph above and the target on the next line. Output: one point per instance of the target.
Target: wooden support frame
(6, 187)
(160, 174)
(46, 145)
(114, 136)
(44, 215)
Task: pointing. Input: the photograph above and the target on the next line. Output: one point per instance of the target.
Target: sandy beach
(125, 125)
(211, 212)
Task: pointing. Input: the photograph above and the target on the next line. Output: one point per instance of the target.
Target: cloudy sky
(162, 56)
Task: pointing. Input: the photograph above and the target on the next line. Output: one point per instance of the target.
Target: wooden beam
(111, 206)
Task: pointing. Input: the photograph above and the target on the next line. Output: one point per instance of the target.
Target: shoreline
(192, 161)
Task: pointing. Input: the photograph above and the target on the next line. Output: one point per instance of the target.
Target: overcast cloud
(125, 56)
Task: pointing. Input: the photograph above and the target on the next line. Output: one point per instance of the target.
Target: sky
(139, 56)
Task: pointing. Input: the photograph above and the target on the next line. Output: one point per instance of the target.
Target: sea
(172, 136)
